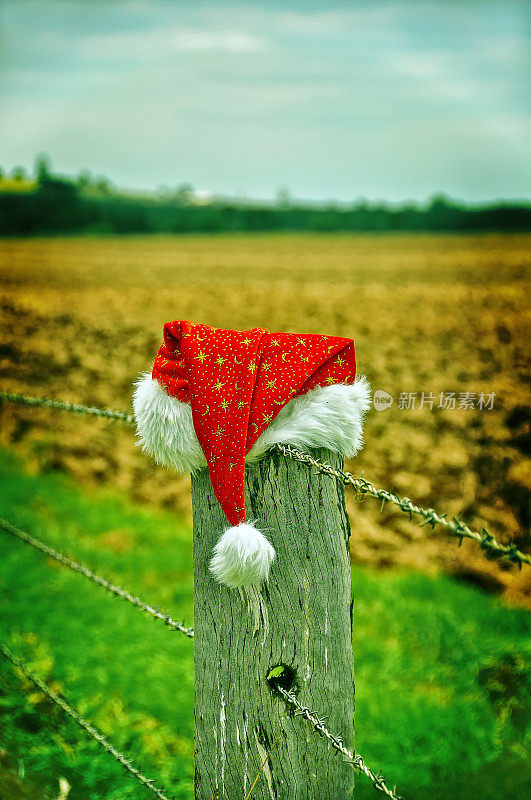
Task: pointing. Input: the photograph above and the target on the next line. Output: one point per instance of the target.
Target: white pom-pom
(242, 557)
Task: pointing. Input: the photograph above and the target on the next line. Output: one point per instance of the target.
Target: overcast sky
(389, 100)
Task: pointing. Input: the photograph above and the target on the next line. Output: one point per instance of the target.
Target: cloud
(224, 41)
(163, 41)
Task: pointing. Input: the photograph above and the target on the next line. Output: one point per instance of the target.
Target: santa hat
(217, 397)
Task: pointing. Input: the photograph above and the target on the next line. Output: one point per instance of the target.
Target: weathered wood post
(216, 396)
(301, 618)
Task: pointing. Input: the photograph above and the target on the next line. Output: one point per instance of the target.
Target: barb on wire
(93, 732)
(486, 541)
(172, 624)
(76, 408)
(318, 725)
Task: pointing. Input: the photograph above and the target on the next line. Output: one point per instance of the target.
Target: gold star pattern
(218, 385)
(270, 384)
(252, 367)
(219, 431)
(225, 404)
(266, 367)
(340, 361)
(201, 357)
(220, 360)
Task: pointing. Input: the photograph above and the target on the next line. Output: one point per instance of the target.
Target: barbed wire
(13, 530)
(93, 732)
(460, 529)
(486, 541)
(76, 408)
(337, 743)
(172, 624)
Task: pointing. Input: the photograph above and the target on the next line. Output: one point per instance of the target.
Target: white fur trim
(165, 428)
(242, 557)
(329, 416)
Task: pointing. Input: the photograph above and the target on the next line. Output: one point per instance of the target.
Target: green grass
(441, 688)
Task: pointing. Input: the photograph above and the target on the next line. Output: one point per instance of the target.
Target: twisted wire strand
(172, 624)
(93, 732)
(318, 725)
(460, 529)
(76, 408)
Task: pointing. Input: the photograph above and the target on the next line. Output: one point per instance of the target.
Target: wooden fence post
(301, 618)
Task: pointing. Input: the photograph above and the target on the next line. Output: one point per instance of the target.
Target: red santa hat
(220, 397)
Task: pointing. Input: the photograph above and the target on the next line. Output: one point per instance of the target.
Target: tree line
(49, 204)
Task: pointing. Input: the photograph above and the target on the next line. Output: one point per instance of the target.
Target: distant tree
(103, 185)
(2, 173)
(283, 198)
(440, 202)
(184, 193)
(43, 171)
(84, 179)
(18, 174)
